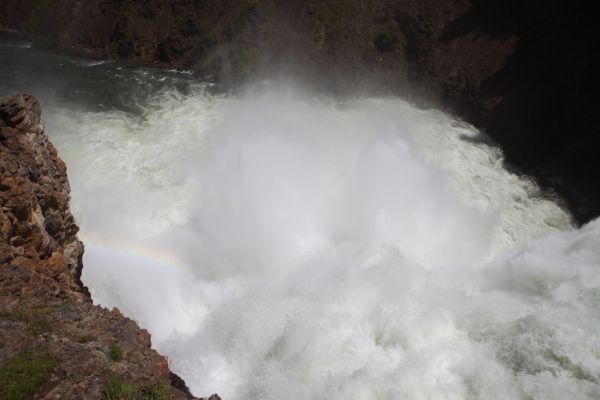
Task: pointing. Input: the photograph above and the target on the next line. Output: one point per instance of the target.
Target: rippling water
(280, 244)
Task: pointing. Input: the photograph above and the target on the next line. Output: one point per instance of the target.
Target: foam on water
(280, 246)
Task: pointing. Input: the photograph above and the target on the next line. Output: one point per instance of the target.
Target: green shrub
(115, 353)
(154, 391)
(118, 389)
(22, 374)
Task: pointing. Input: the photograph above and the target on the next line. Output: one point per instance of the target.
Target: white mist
(279, 246)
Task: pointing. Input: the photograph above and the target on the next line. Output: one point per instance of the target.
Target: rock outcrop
(54, 343)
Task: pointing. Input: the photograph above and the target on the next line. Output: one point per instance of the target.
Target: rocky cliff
(54, 343)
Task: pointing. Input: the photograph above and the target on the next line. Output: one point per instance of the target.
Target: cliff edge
(54, 343)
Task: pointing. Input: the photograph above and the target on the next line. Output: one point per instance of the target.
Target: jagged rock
(38, 229)
(43, 304)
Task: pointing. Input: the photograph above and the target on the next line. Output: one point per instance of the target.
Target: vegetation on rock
(115, 353)
(120, 389)
(22, 374)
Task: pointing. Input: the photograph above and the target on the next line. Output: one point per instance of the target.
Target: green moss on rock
(24, 373)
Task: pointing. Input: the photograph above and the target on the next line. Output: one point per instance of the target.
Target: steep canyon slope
(521, 71)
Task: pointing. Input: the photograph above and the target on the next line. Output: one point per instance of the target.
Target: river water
(282, 244)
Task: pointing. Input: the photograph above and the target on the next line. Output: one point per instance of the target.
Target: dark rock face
(539, 104)
(521, 71)
(44, 307)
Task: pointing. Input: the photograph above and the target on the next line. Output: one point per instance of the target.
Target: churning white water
(283, 246)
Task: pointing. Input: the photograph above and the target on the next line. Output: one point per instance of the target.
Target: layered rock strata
(46, 313)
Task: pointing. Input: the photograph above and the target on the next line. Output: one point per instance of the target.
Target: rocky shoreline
(54, 342)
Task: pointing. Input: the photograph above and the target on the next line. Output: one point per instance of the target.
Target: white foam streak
(306, 249)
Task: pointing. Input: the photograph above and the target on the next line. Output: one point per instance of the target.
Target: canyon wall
(54, 343)
(521, 71)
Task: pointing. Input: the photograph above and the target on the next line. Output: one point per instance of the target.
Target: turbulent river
(280, 244)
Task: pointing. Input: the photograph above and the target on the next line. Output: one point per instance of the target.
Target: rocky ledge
(54, 342)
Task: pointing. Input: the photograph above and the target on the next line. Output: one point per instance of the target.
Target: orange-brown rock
(38, 230)
(43, 303)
